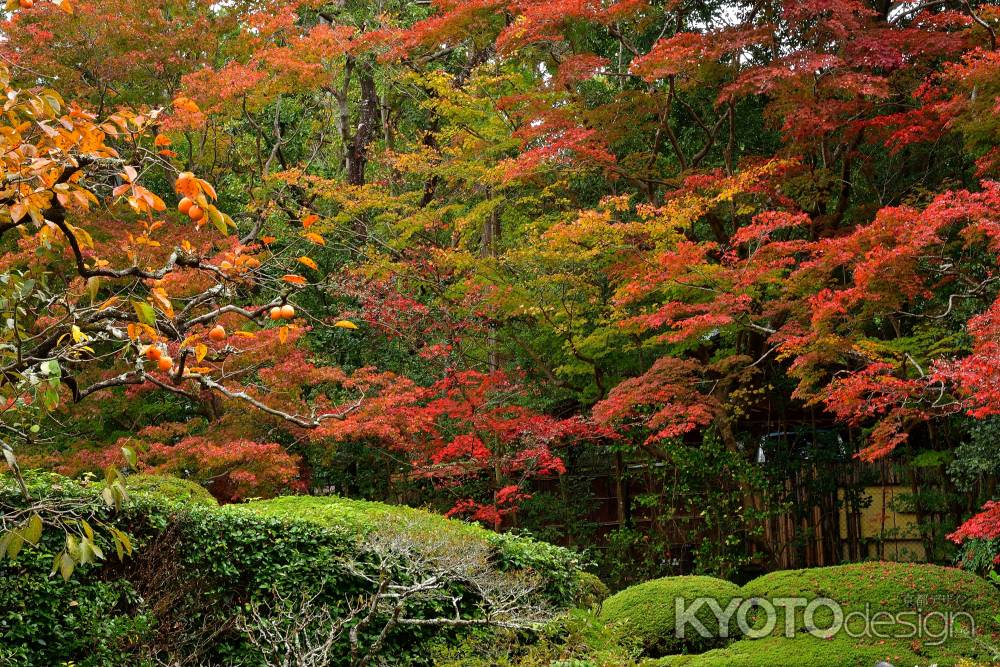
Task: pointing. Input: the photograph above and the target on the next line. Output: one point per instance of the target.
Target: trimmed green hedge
(353, 518)
(173, 488)
(646, 612)
(197, 565)
(44, 621)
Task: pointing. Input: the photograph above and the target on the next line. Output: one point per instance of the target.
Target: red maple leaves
(465, 430)
(664, 400)
(982, 526)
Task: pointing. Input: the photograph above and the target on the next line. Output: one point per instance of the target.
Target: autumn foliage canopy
(244, 240)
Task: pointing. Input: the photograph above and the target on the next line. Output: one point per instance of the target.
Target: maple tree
(760, 264)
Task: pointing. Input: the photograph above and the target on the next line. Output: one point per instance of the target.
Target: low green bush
(44, 620)
(647, 613)
(873, 587)
(591, 591)
(352, 518)
(884, 585)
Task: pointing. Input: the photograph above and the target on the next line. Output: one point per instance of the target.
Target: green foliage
(575, 639)
(45, 620)
(565, 514)
(355, 517)
(976, 459)
(579, 639)
(884, 585)
(78, 519)
(647, 612)
(890, 587)
(347, 514)
(289, 544)
(699, 492)
(980, 556)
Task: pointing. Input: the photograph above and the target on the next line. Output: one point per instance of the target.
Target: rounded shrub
(352, 518)
(646, 612)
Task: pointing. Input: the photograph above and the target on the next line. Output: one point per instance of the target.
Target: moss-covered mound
(885, 586)
(912, 602)
(931, 596)
(647, 613)
(197, 565)
(840, 651)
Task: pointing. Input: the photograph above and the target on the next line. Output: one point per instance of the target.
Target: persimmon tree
(104, 286)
